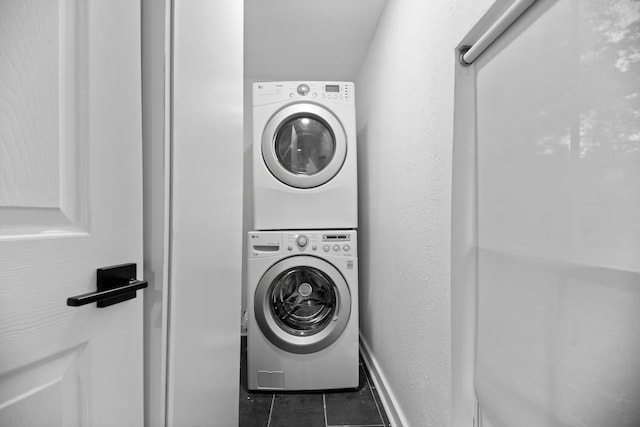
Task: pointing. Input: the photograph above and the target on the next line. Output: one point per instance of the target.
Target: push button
(336, 248)
(326, 248)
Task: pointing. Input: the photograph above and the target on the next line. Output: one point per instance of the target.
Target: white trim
(169, 351)
(463, 249)
(156, 50)
(388, 399)
(166, 237)
(464, 274)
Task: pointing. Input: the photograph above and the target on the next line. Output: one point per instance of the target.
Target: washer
(303, 310)
(304, 156)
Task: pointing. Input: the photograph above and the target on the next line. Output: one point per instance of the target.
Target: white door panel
(42, 83)
(70, 202)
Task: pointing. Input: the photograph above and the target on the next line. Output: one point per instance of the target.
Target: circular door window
(304, 145)
(302, 304)
(303, 300)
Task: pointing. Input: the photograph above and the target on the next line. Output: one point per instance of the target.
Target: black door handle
(115, 284)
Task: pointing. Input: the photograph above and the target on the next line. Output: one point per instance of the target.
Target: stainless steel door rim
(310, 331)
(318, 175)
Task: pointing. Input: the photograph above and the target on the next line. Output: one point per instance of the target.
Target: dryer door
(304, 145)
(302, 304)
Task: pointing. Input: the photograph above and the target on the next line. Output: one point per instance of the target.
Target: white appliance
(304, 156)
(303, 310)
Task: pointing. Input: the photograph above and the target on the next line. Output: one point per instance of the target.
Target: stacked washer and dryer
(302, 266)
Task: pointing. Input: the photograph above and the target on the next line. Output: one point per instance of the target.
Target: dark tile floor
(360, 407)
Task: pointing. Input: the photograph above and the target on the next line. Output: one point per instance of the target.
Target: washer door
(302, 304)
(304, 145)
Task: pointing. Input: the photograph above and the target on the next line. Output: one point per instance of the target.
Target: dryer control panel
(270, 92)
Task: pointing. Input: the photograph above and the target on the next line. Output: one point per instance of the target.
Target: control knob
(302, 241)
(303, 89)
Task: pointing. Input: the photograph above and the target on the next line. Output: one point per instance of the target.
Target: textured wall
(404, 95)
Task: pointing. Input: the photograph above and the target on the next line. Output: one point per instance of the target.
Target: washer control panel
(323, 243)
(270, 92)
(341, 243)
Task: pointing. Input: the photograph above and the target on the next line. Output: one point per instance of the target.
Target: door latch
(115, 284)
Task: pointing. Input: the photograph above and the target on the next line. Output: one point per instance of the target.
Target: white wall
(318, 54)
(404, 95)
(307, 39)
(206, 235)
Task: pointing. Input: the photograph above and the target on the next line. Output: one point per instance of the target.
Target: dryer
(303, 310)
(304, 156)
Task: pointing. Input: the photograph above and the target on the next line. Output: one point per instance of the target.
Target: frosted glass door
(558, 140)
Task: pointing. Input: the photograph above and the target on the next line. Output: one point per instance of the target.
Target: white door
(70, 202)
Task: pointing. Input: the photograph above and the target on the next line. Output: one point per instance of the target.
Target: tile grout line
(357, 425)
(273, 399)
(366, 376)
(324, 407)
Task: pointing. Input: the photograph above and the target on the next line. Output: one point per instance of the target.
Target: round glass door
(303, 300)
(304, 145)
(302, 304)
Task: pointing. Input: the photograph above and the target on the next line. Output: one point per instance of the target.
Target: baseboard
(387, 397)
